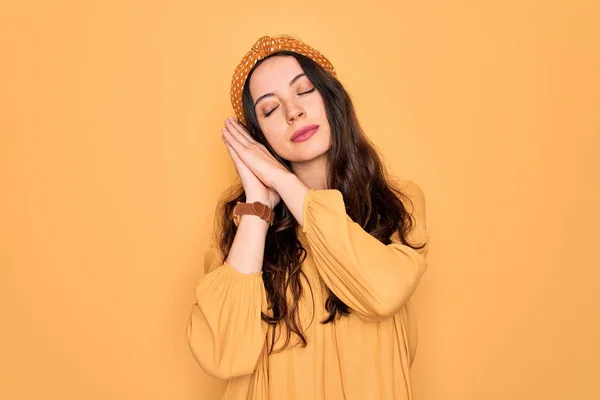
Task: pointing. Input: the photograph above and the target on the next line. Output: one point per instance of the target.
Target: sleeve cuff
(330, 201)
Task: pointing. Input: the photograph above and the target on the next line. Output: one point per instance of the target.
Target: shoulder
(412, 190)
(213, 257)
(416, 205)
(414, 201)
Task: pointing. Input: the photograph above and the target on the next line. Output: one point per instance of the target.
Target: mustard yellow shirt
(365, 355)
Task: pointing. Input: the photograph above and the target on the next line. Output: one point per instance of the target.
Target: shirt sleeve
(375, 280)
(225, 331)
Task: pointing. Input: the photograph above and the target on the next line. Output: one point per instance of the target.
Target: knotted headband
(264, 47)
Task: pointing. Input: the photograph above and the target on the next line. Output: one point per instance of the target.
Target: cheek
(319, 108)
(273, 134)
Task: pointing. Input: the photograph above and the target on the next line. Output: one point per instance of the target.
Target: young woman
(307, 283)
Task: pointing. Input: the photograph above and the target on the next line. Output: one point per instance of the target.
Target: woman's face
(287, 104)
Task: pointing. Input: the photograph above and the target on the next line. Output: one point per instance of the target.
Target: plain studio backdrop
(111, 164)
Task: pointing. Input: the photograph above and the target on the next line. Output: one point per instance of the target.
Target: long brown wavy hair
(355, 169)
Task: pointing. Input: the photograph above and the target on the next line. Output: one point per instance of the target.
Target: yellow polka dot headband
(264, 47)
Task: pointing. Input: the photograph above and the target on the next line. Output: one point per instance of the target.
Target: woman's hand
(257, 168)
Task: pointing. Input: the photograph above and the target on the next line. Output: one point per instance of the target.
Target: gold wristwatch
(257, 208)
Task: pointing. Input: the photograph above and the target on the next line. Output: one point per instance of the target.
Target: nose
(294, 112)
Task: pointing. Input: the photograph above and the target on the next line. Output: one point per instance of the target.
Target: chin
(308, 156)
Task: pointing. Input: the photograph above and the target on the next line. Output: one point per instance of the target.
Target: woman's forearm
(293, 193)
(247, 251)
(248, 247)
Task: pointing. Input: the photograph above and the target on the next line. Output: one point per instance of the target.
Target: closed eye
(270, 112)
(275, 108)
(308, 91)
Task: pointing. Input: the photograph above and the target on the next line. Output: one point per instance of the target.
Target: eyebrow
(273, 94)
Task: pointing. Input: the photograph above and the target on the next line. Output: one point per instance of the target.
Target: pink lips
(304, 133)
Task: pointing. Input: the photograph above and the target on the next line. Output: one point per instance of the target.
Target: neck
(312, 173)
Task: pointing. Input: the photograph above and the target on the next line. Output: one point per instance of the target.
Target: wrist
(253, 220)
(259, 209)
(260, 199)
(282, 179)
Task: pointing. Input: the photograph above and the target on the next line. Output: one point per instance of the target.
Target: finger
(240, 128)
(237, 129)
(233, 141)
(232, 153)
(237, 135)
(243, 151)
(241, 147)
(234, 138)
(230, 140)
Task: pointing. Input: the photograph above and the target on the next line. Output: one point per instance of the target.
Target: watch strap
(256, 208)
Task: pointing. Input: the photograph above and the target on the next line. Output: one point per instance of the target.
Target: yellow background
(111, 163)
